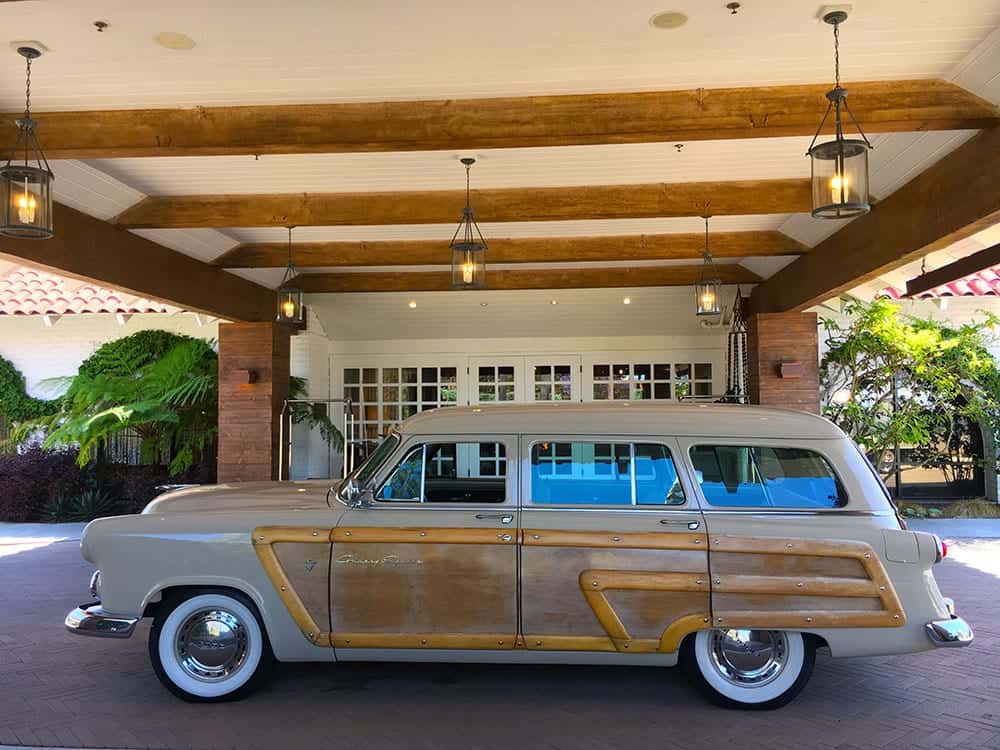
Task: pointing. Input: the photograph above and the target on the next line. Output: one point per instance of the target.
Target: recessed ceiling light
(627, 301)
(484, 304)
(554, 302)
(670, 19)
(413, 304)
(174, 40)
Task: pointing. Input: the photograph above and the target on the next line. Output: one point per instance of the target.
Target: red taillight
(942, 548)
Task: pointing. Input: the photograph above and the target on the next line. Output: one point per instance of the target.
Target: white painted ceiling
(260, 51)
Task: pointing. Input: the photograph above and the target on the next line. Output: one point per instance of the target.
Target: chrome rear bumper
(91, 619)
(953, 632)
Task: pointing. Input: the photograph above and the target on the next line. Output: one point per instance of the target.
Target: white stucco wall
(40, 352)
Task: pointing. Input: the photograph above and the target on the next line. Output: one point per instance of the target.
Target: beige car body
(335, 580)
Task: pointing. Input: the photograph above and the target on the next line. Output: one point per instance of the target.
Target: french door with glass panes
(630, 380)
(524, 379)
(496, 380)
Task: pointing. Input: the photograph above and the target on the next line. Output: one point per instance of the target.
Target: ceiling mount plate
(832, 14)
(29, 48)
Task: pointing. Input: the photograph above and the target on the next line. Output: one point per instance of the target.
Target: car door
(432, 562)
(613, 553)
(793, 544)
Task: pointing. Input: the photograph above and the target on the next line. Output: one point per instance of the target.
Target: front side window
(449, 473)
(590, 473)
(766, 477)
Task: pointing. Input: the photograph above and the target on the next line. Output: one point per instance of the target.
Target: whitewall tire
(209, 646)
(750, 669)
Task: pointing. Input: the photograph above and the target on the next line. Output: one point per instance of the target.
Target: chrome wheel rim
(212, 644)
(748, 658)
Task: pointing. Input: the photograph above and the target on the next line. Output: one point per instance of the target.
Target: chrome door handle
(692, 525)
(504, 518)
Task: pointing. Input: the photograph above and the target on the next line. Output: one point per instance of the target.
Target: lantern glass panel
(839, 179)
(468, 265)
(707, 297)
(26, 200)
(290, 309)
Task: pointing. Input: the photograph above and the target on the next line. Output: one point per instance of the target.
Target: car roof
(622, 418)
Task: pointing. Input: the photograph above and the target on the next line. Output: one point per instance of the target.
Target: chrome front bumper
(953, 632)
(91, 619)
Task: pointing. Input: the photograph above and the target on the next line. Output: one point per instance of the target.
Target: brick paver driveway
(57, 689)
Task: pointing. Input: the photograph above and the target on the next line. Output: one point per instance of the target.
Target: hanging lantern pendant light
(468, 248)
(840, 166)
(707, 290)
(26, 188)
(290, 308)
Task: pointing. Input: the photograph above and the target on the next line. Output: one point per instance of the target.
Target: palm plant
(171, 402)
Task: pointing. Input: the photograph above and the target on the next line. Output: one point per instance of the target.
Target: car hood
(308, 495)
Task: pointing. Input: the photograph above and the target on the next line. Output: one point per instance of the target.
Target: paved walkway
(61, 690)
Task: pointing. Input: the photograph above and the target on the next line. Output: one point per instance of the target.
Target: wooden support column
(254, 373)
(783, 360)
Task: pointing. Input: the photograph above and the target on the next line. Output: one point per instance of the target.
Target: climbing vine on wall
(15, 403)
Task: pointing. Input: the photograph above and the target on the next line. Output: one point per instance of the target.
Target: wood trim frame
(368, 535)
(264, 537)
(624, 540)
(878, 585)
(460, 641)
(593, 584)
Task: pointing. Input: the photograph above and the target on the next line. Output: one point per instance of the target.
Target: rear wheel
(210, 646)
(749, 669)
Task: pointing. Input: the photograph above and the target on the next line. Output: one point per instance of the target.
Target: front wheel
(749, 669)
(209, 646)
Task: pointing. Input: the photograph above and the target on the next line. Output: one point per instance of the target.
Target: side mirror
(363, 498)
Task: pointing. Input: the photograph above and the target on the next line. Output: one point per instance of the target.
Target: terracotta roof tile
(25, 291)
(985, 283)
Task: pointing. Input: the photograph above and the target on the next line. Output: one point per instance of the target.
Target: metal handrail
(348, 431)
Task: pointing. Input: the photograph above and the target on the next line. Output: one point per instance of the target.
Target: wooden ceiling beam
(954, 271)
(549, 278)
(444, 206)
(505, 122)
(951, 200)
(95, 251)
(515, 250)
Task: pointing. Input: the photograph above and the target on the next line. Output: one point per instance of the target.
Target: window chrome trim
(526, 501)
(776, 511)
(739, 443)
(659, 509)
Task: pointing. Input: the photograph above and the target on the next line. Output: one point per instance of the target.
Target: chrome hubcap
(748, 658)
(211, 644)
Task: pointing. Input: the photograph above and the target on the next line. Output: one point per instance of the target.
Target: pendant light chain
(836, 53)
(27, 90)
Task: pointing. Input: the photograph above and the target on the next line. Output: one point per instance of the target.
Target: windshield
(364, 472)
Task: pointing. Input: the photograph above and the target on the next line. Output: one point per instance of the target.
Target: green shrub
(88, 505)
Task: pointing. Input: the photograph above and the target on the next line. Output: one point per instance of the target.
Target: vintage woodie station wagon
(735, 540)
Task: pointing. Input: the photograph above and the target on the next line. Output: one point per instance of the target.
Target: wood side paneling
(514, 250)
(505, 122)
(249, 413)
(773, 338)
(496, 205)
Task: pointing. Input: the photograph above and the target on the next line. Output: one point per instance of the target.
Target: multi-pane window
(449, 473)
(383, 397)
(752, 476)
(553, 382)
(657, 381)
(495, 383)
(585, 473)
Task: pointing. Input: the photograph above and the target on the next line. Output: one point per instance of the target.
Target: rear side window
(766, 477)
(585, 473)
